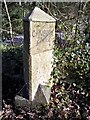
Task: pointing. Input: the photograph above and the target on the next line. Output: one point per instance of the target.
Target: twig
(9, 20)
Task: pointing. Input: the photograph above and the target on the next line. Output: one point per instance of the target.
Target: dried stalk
(11, 33)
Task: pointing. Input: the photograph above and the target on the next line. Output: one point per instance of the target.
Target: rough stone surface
(38, 15)
(41, 69)
(42, 36)
(0, 80)
(41, 96)
(22, 102)
(38, 46)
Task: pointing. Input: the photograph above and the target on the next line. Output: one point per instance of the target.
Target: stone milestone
(39, 36)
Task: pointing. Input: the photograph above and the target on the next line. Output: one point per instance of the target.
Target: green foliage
(70, 92)
(72, 54)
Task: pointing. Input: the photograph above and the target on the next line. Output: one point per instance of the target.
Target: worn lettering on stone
(41, 35)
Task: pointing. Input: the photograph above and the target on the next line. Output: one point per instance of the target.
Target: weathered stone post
(39, 35)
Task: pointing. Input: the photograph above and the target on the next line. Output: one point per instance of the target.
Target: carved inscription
(39, 41)
(42, 37)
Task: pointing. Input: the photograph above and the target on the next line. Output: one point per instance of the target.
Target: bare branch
(9, 20)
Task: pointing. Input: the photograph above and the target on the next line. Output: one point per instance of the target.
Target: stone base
(41, 97)
(22, 102)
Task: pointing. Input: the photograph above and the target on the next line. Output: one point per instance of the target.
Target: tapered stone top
(39, 15)
(39, 34)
